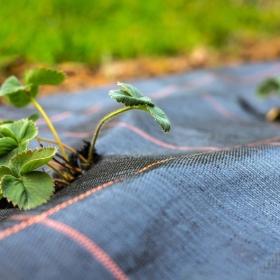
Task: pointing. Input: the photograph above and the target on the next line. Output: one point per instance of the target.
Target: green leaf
(271, 85)
(4, 160)
(7, 144)
(18, 99)
(3, 121)
(130, 90)
(11, 86)
(44, 76)
(34, 117)
(30, 160)
(28, 191)
(160, 117)
(130, 96)
(15, 93)
(22, 130)
(4, 170)
(130, 101)
(14, 138)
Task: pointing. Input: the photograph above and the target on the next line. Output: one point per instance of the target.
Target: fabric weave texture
(202, 202)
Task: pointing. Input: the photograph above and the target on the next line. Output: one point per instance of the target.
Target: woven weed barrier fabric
(202, 202)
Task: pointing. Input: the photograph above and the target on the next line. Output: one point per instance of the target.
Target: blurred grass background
(54, 31)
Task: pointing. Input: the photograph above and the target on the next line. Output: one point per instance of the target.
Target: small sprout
(269, 86)
(132, 99)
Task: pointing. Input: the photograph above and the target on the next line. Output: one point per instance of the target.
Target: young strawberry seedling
(268, 87)
(20, 95)
(23, 181)
(132, 99)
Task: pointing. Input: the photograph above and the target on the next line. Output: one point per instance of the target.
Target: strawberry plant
(23, 179)
(268, 86)
(21, 94)
(20, 181)
(132, 99)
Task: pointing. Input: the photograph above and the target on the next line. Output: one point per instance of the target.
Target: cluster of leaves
(20, 95)
(20, 180)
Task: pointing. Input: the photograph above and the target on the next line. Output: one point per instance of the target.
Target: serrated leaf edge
(32, 151)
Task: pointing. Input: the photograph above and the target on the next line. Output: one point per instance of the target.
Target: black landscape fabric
(202, 202)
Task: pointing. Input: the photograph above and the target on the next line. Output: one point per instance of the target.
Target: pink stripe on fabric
(84, 241)
(97, 252)
(56, 118)
(164, 92)
(198, 82)
(39, 218)
(147, 137)
(161, 143)
(93, 110)
(273, 70)
(77, 134)
(249, 78)
(218, 106)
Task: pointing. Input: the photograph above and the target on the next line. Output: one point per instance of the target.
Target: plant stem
(50, 125)
(65, 167)
(99, 126)
(67, 147)
(57, 171)
(68, 164)
(61, 181)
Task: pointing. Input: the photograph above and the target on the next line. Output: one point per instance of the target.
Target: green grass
(89, 31)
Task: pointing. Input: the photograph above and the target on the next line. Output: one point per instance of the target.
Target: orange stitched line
(160, 143)
(174, 147)
(164, 92)
(84, 241)
(75, 134)
(149, 166)
(189, 148)
(93, 109)
(39, 218)
(197, 83)
(249, 78)
(218, 107)
(147, 137)
(97, 252)
(57, 118)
